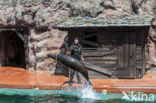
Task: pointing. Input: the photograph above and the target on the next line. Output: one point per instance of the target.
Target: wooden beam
(9, 29)
(98, 54)
(98, 69)
(20, 35)
(90, 43)
(13, 29)
(90, 35)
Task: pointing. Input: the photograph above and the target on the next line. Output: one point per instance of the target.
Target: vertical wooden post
(2, 48)
(127, 55)
(121, 53)
(143, 51)
(132, 55)
(120, 56)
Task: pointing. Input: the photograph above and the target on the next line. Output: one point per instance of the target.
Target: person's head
(76, 40)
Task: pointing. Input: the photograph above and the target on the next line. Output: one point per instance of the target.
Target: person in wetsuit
(63, 49)
(75, 52)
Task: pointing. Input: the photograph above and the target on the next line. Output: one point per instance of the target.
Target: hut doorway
(12, 49)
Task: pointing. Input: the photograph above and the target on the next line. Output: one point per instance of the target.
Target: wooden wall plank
(143, 51)
(120, 54)
(132, 55)
(97, 54)
(126, 55)
(98, 69)
(1, 50)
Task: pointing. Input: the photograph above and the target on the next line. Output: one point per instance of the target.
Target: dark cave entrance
(12, 48)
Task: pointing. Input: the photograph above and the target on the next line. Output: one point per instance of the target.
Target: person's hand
(68, 53)
(82, 60)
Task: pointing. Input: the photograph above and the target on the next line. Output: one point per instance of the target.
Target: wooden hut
(112, 45)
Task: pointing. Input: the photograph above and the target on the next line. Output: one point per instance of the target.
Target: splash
(87, 92)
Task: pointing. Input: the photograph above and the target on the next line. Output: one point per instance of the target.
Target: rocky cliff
(41, 15)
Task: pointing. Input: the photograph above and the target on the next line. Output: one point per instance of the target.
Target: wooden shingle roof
(83, 22)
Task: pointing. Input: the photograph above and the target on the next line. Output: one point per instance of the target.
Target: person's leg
(78, 78)
(71, 76)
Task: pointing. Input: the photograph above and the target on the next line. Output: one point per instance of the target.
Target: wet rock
(153, 30)
(42, 20)
(11, 19)
(28, 3)
(108, 4)
(28, 19)
(46, 3)
(153, 23)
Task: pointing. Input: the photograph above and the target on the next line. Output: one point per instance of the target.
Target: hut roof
(85, 22)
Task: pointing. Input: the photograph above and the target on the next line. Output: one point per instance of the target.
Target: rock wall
(41, 15)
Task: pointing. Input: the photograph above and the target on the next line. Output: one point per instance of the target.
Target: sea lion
(72, 63)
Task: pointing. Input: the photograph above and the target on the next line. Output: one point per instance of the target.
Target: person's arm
(70, 50)
(67, 49)
(82, 59)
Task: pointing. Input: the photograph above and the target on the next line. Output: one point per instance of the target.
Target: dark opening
(90, 40)
(14, 52)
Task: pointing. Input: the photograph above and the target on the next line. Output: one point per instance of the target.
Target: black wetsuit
(64, 48)
(75, 52)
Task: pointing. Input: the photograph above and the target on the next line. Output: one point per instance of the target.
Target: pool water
(56, 96)
(55, 99)
(48, 99)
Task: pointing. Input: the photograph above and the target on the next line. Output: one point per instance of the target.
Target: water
(55, 99)
(81, 95)
(87, 92)
(84, 92)
(50, 99)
